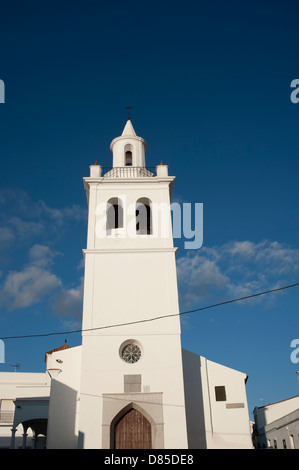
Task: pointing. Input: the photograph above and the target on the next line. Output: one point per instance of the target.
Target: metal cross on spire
(128, 108)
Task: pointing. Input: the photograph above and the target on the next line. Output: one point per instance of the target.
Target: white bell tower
(131, 368)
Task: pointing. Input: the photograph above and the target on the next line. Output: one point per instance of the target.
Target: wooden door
(133, 431)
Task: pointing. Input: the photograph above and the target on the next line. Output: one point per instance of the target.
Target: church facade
(130, 385)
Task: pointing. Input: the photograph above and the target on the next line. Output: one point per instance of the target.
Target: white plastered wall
(215, 424)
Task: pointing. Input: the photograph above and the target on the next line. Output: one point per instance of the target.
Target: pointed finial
(96, 162)
(161, 163)
(128, 108)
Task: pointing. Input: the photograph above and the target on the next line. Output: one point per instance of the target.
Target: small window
(220, 393)
(284, 443)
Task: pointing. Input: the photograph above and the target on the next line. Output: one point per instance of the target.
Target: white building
(130, 385)
(277, 424)
(24, 399)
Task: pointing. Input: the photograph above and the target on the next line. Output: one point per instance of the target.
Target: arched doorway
(132, 431)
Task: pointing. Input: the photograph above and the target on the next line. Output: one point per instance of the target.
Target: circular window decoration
(131, 353)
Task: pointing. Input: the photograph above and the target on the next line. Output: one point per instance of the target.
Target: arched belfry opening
(128, 158)
(115, 216)
(128, 150)
(143, 216)
(131, 430)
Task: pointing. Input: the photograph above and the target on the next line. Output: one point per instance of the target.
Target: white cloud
(28, 287)
(70, 301)
(35, 283)
(74, 212)
(24, 221)
(198, 275)
(31, 284)
(41, 255)
(23, 218)
(6, 237)
(235, 269)
(24, 228)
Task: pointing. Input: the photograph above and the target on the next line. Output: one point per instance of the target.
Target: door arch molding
(122, 414)
(136, 416)
(116, 405)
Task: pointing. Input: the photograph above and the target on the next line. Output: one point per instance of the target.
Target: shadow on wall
(62, 417)
(81, 440)
(258, 437)
(194, 400)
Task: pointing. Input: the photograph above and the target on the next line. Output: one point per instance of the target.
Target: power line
(151, 319)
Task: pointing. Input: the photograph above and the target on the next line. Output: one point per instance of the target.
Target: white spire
(129, 129)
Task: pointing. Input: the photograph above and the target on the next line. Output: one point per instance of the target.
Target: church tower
(132, 391)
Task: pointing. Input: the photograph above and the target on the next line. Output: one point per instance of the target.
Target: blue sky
(209, 83)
